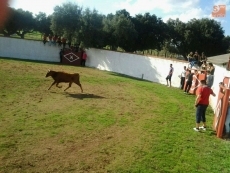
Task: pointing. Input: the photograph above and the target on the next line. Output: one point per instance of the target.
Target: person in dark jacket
(61, 55)
(189, 78)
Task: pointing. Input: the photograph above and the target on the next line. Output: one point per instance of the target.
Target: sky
(185, 10)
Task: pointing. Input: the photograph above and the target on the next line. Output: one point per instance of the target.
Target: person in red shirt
(84, 57)
(201, 103)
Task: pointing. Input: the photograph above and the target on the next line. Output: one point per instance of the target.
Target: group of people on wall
(61, 41)
(187, 76)
(195, 59)
(203, 91)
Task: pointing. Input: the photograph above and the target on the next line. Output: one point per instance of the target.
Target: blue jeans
(192, 63)
(200, 113)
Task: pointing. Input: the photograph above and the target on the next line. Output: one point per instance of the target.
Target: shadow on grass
(38, 61)
(226, 136)
(29, 60)
(128, 77)
(84, 96)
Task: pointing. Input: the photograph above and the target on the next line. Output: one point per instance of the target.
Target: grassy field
(118, 125)
(29, 36)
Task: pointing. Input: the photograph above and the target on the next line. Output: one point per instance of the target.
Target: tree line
(89, 28)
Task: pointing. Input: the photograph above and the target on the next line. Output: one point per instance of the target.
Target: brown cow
(64, 77)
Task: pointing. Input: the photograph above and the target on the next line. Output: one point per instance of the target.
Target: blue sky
(182, 9)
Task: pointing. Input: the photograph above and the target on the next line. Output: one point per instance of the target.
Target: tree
(10, 26)
(226, 43)
(120, 30)
(42, 23)
(108, 30)
(19, 22)
(91, 32)
(151, 31)
(124, 33)
(67, 20)
(25, 22)
(177, 32)
(124, 13)
(205, 35)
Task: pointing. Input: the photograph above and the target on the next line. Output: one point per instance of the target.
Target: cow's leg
(68, 86)
(52, 85)
(57, 85)
(78, 83)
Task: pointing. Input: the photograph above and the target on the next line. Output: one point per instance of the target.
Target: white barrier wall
(220, 73)
(150, 68)
(28, 49)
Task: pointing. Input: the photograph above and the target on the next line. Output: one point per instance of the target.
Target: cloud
(223, 2)
(165, 6)
(185, 10)
(196, 13)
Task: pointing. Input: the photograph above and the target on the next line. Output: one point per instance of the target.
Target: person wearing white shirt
(182, 78)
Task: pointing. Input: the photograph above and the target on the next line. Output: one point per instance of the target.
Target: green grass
(119, 124)
(29, 36)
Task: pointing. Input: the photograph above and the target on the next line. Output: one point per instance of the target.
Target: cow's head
(49, 73)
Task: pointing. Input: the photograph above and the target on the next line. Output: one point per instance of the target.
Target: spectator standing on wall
(69, 43)
(211, 68)
(201, 104)
(63, 40)
(54, 40)
(190, 56)
(50, 39)
(84, 57)
(204, 65)
(203, 58)
(182, 78)
(44, 38)
(196, 58)
(191, 59)
(168, 78)
(59, 41)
